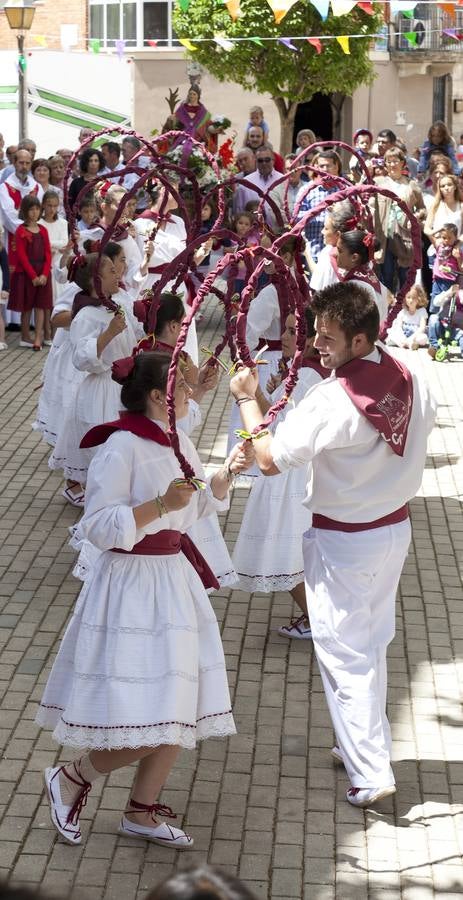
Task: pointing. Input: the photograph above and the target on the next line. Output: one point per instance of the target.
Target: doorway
(317, 114)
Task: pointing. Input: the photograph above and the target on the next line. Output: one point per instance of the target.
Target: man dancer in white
(364, 430)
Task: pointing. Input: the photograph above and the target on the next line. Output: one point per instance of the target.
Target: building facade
(78, 75)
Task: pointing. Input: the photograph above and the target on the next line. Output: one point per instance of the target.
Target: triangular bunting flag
(343, 42)
(41, 40)
(411, 37)
(95, 45)
(119, 48)
(342, 7)
(448, 8)
(152, 43)
(256, 40)
(280, 8)
(322, 7)
(288, 44)
(316, 42)
(408, 13)
(368, 7)
(184, 4)
(451, 33)
(187, 44)
(234, 8)
(223, 42)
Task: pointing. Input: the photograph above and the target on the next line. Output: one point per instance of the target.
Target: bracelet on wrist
(241, 400)
(162, 508)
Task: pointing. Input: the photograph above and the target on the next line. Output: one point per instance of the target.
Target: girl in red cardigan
(31, 287)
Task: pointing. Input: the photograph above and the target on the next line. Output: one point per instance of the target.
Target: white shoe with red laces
(297, 629)
(161, 833)
(66, 818)
(364, 797)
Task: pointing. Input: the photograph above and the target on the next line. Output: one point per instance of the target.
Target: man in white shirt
(17, 185)
(111, 152)
(263, 178)
(364, 430)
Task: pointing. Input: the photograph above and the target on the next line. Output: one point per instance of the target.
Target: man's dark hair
(388, 134)
(351, 306)
(113, 147)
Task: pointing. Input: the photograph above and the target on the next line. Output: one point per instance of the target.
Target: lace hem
(269, 584)
(126, 736)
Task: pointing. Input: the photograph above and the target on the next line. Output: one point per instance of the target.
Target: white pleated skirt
(268, 553)
(141, 663)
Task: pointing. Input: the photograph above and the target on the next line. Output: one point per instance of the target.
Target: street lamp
(20, 14)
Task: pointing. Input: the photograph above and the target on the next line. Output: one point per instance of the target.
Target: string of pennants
(280, 8)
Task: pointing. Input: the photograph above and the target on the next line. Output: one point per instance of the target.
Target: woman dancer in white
(265, 324)
(98, 337)
(140, 672)
(268, 552)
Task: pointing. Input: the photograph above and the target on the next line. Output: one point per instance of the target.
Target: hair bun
(122, 369)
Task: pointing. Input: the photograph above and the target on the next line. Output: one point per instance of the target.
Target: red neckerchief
(82, 300)
(166, 541)
(136, 423)
(120, 233)
(154, 216)
(365, 274)
(383, 393)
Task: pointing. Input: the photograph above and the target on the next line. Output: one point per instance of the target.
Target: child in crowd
(31, 283)
(448, 264)
(244, 226)
(88, 213)
(409, 328)
(447, 319)
(57, 229)
(256, 118)
(362, 140)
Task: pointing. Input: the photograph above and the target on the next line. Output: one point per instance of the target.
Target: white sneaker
(162, 834)
(28, 344)
(64, 818)
(337, 756)
(367, 796)
(297, 628)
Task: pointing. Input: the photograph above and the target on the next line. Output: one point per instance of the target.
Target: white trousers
(351, 584)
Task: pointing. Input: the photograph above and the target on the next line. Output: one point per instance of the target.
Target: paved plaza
(268, 804)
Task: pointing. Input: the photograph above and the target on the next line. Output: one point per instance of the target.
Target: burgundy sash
(157, 270)
(399, 515)
(383, 393)
(167, 542)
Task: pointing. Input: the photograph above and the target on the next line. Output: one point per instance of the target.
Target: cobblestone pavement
(267, 804)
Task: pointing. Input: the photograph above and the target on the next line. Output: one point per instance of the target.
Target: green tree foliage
(289, 77)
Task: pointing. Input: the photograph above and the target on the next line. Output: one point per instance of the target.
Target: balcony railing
(428, 24)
